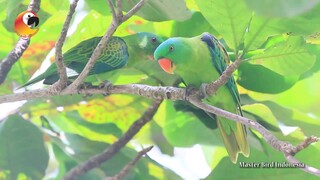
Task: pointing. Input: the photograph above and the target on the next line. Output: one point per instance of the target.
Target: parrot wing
(113, 56)
(235, 141)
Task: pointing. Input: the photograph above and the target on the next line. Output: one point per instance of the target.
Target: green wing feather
(233, 134)
(114, 56)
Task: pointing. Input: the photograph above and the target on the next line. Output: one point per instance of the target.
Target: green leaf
(281, 8)
(229, 17)
(154, 10)
(101, 6)
(302, 96)
(268, 81)
(194, 26)
(263, 115)
(22, 148)
(184, 129)
(288, 58)
(263, 27)
(72, 122)
(293, 117)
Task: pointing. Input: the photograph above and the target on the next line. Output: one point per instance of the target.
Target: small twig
(7, 63)
(304, 144)
(119, 10)
(98, 159)
(34, 5)
(22, 44)
(124, 172)
(133, 10)
(111, 6)
(116, 22)
(62, 83)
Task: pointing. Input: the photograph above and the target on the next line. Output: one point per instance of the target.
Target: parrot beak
(167, 65)
(33, 22)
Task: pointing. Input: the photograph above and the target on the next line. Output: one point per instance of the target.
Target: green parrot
(202, 59)
(119, 51)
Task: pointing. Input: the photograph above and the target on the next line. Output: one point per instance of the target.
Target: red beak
(167, 65)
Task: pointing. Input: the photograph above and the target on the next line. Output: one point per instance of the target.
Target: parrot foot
(85, 86)
(106, 85)
(189, 91)
(203, 91)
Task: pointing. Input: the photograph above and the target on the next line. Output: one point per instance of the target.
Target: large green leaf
(302, 96)
(194, 26)
(229, 17)
(286, 58)
(261, 79)
(72, 122)
(263, 115)
(281, 8)
(22, 148)
(184, 129)
(263, 27)
(155, 10)
(292, 117)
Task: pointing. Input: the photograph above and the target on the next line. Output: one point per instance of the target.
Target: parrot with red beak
(202, 59)
(25, 24)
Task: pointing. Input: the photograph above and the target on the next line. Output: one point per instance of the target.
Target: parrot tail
(236, 141)
(34, 80)
(50, 76)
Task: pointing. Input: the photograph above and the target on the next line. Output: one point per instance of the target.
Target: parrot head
(25, 24)
(148, 43)
(173, 53)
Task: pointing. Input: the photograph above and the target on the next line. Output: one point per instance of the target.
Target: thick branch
(98, 159)
(22, 44)
(124, 172)
(152, 92)
(58, 54)
(116, 22)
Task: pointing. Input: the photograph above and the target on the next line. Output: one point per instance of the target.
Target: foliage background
(278, 82)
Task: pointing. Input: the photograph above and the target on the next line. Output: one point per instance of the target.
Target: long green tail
(51, 71)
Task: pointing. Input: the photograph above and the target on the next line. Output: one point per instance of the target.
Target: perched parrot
(118, 52)
(202, 59)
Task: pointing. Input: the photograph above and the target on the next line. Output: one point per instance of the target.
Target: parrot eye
(153, 40)
(171, 48)
(26, 17)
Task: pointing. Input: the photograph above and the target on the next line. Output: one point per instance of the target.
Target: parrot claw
(106, 85)
(85, 86)
(203, 91)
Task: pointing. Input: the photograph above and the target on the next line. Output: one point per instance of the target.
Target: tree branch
(62, 83)
(116, 22)
(158, 93)
(22, 44)
(98, 159)
(152, 92)
(124, 172)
